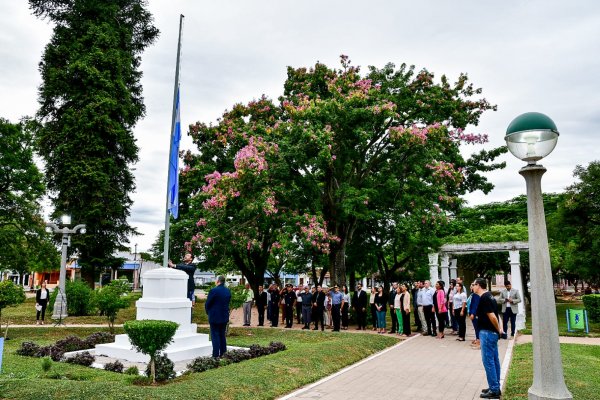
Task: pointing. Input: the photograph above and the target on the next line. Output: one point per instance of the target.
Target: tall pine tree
(90, 100)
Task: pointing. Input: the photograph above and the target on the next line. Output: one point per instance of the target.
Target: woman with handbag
(42, 296)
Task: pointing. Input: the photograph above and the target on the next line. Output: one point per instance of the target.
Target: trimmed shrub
(84, 358)
(150, 337)
(116, 366)
(56, 353)
(28, 349)
(99, 338)
(257, 350)
(71, 343)
(79, 298)
(164, 369)
(109, 301)
(133, 370)
(592, 305)
(46, 364)
(237, 356)
(223, 362)
(276, 347)
(202, 364)
(10, 296)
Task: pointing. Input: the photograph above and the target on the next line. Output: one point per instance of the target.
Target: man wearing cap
(337, 298)
(509, 298)
(306, 297)
(290, 301)
(275, 299)
(359, 301)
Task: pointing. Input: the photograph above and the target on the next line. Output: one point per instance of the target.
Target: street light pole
(531, 137)
(60, 304)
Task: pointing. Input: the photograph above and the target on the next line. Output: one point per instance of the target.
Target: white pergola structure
(449, 268)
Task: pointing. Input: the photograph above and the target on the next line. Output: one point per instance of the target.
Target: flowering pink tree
(342, 158)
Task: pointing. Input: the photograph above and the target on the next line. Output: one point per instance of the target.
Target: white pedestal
(164, 298)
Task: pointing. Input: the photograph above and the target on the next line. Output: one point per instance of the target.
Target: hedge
(592, 305)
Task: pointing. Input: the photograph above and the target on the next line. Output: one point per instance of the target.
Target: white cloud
(527, 56)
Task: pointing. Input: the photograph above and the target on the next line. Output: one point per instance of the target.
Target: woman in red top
(441, 310)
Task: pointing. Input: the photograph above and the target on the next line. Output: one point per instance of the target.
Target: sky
(539, 56)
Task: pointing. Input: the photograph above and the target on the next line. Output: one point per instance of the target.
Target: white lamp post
(530, 137)
(60, 305)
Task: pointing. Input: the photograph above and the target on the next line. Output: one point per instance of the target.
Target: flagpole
(174, 116)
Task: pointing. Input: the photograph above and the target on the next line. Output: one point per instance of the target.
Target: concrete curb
(506, 362)
(344, 370)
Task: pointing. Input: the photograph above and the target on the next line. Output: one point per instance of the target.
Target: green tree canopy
(25, 244)
(90, 100)
(578, 224)
(10, 296)
(340, 159)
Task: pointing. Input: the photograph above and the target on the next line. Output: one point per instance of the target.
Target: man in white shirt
(247, 306)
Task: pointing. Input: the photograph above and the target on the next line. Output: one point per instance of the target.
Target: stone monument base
(186, 345)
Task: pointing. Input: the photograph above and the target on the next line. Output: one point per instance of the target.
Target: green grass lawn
(24, 314)
(581, 365)
(561, 313)
(310, 356)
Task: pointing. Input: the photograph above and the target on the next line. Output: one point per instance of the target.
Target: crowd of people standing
(436, 310)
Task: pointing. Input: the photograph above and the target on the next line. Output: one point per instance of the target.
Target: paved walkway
(413, 369)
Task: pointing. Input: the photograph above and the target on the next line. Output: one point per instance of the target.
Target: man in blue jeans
(489, 332)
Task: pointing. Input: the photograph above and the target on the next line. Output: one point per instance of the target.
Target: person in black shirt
(359, 302)
(290, 301)
(261, 303)
(318, 308)
(489, 332)
(189, 268)
(275, 300)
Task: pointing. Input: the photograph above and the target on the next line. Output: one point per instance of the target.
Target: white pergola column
(453, 269)
(517, 283)
(445, 264)
(433, 267)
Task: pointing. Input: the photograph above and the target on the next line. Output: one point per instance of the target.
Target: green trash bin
(577, 320)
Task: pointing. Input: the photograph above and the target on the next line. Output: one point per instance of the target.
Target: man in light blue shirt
(420, 303)
(336, 307)
(428, 309)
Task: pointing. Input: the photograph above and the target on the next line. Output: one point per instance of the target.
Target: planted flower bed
(164, 367)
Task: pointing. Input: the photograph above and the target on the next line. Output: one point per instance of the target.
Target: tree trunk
(88, 275)
(153, 370)
(337, 262)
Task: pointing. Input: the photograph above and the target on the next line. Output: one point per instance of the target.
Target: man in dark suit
(319, 307)
(290, 302)
(275, 300)
(393, 293)
(359, 302)
(261, 304)
(217, 308)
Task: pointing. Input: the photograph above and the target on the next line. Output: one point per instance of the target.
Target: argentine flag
(173, 182)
